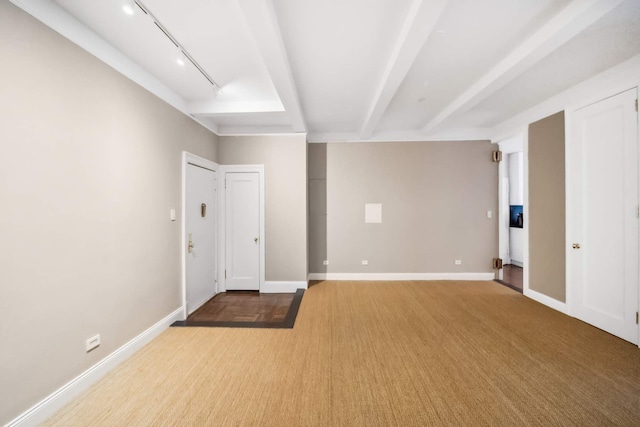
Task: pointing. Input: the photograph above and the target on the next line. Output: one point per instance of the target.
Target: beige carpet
(379, 353)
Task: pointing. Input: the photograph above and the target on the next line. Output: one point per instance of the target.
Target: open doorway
(511, 212)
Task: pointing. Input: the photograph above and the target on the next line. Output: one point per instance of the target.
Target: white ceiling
(354, 70)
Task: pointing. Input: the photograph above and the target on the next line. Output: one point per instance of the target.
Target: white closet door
(242, 231)
(602, 216)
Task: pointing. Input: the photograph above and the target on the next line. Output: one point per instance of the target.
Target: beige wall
(90, 165)
(285, 161)
(547, 207)
(317, 207)
(435, 198)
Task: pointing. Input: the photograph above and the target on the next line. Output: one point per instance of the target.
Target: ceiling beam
(263, 24)
(203, 108)
(418, 25)
(573, 19)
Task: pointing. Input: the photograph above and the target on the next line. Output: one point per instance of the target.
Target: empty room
(319, 212)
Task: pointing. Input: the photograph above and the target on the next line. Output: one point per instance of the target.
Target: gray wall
(547, 207)
(435, 198)
(317, 207)
(285, 160)
(90, 165)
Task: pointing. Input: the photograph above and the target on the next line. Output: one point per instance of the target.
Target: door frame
(187, 159)
(222, 244)
(571, 181)
(516, 143)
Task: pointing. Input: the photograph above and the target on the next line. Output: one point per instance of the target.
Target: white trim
(51, 404)
(288, 133)
(249, 130)
(188, 158)
(233, 108)
(401, 276)
(222, 252)
(458, 134)
(516, 263)
(513, 144)
(272, 287)
(525, 209)
(569, 203)
(545, 300)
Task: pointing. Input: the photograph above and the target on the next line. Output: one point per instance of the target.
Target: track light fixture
(183, 53)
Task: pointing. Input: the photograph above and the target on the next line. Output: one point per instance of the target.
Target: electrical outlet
(365, 262)
(325, 262)
(458, 262)
(93, 342)
(489, 214)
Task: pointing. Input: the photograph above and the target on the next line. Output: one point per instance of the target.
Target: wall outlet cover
(93, 342)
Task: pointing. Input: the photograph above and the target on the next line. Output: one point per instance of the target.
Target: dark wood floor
(241, 306)
(512, 275)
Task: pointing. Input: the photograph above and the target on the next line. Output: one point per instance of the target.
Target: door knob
(576, 246)
(255, 240)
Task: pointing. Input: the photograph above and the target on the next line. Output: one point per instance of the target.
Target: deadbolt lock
(576, 246)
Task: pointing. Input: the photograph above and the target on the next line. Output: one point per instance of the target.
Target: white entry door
(242, 223)
(200, 234)
(602, 215)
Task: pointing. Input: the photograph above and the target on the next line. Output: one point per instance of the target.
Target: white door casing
(242, 230)
(508, 146)
(602, 187)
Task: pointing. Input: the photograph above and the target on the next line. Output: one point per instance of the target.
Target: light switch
(172, 214)
(489, 214)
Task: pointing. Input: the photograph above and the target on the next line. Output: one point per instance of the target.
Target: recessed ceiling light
(180, 62)
(128, 9)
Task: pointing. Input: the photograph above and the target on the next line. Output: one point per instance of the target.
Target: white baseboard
(548, 301)
(401, 276)
(282, 287)
(51, 404)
